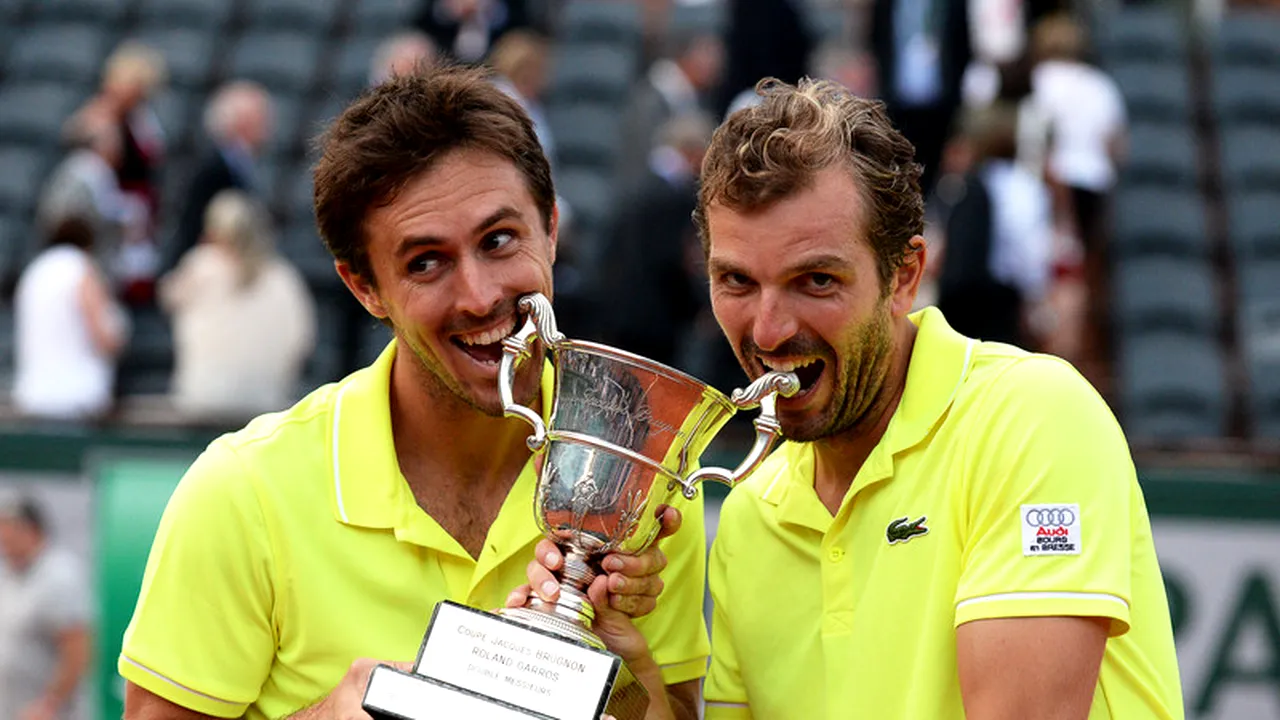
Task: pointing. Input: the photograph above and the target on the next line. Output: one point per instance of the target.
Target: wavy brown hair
(400, 129)
(774, 149)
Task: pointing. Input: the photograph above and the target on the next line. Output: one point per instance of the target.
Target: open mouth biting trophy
(624, 437)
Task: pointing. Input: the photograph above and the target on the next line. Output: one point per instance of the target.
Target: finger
(671, 520)
(649, 585)
(518, 597)
(548, 554)
(598, 592)
(542, 581)
(633, 606)
(649, 562)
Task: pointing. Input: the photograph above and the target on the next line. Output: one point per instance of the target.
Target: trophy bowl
(624, 437)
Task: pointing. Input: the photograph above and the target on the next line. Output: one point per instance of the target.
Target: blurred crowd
(1019, 133)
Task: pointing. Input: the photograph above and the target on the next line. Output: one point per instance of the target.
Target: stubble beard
(866, 359)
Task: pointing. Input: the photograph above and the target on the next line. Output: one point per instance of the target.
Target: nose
(478, 292)
(774, 322)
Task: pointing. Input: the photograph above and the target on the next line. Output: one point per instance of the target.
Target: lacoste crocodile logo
(901, 531)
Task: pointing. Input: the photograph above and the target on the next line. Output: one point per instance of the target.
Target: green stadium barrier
(130, 494)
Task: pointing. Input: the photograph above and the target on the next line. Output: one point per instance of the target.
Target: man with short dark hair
(44, 619)
(302, 549)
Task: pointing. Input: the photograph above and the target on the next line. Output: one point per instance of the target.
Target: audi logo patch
(1050, 530)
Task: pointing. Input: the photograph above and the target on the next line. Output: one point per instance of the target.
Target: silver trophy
(624, 437)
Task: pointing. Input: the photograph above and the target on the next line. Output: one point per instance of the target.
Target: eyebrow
(414, 242)
(819, 263)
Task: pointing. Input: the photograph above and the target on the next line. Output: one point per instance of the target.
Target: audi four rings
(1050, 517)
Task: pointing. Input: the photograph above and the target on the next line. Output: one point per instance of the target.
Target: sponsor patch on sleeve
(1050, 530)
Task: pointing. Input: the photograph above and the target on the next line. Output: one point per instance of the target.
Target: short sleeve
(202, 634)
(726, 696)
(677, 630)
(1047, 488)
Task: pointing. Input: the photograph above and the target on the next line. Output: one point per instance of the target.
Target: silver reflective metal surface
(624, 437)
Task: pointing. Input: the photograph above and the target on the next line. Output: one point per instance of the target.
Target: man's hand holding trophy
(624, 436)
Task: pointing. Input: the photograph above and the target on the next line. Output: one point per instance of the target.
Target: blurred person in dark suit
(45, 643)
(764, 38)
(680, 82)
(996, 265)
(238, 120)
(649, 280)
(922, 48)
(466, 30)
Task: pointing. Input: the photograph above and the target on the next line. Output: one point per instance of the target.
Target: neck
(840, 457)
(434, 428)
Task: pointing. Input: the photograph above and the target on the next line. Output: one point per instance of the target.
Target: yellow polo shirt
(1003, 487)
(294, 546)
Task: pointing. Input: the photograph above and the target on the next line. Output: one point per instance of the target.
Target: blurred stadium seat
(1172, 387)
(1151, 221)
(1161, 155)
(1152, 32)
(1166, 294)
(66, 53)
(33, 113)
(1245, 37)
(609, 23)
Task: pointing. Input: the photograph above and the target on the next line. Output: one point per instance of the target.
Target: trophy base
(487, 665)
(396, 695)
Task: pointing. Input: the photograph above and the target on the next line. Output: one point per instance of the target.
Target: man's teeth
(787, 365)
(488, 337)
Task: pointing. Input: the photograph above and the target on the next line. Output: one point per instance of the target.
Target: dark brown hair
(769, 151)
(399, 129)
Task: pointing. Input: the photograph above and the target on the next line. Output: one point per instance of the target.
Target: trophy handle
(763, 392)
(541, 323)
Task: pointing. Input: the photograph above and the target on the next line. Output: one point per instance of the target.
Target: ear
(906, 279)
(364, 290)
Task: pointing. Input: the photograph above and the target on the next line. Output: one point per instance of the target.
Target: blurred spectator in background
(85, 185)
(764, 38)
(521, 59)
(648, 280)
(239, 121)
(679, 83)
(995, 268)
(68, 330)
(922, 48)
(399, 54)
(45, 641)
(854, 69)
(1086, 120)
(133, 74)
(465, 30)
(244, 320)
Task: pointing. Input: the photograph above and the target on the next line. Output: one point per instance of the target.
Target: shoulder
(294, 440)
(1012, 393)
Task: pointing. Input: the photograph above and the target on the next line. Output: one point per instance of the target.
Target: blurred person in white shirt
(45, 643)
(69, 330)
(244, 319)
(1086, 123)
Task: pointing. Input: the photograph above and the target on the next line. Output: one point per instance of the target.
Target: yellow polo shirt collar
(371, 492)
(940, 360)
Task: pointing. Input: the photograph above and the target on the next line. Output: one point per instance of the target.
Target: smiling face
(449, 256)
(795, 287)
